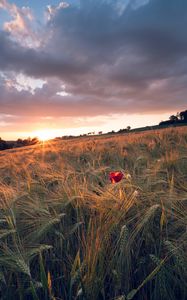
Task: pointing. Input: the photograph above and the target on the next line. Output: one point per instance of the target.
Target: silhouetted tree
(34, 141)
(179, 118)
(183, 116)
(3, 144)
(173, 118)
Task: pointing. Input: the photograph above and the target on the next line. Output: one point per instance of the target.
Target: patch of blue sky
(38, 7)
(4, 17)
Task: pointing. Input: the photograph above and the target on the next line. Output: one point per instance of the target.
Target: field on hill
(66, 232)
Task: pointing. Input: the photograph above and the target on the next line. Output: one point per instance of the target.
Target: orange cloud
(20, 25)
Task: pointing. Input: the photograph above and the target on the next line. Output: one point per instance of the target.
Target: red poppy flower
(115, 176)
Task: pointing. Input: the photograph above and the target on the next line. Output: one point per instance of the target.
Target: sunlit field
(68, 233)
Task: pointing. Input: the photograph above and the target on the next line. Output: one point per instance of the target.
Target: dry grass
(68, 233)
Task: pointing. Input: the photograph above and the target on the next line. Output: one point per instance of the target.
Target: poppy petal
(115, 176)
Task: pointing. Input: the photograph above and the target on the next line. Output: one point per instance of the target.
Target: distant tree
(3, 145)
(122, 130)
(34, 141)
(128, 128)
(19, 143)
(183, 116)
(173, 118)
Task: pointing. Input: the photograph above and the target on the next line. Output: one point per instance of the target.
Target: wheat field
(66, 232)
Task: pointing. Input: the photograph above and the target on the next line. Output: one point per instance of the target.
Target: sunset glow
(93, 143)
(44, 135)
(59, 70)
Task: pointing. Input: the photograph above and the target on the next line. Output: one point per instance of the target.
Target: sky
(77, 66)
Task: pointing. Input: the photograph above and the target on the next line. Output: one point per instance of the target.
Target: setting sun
(44, 134)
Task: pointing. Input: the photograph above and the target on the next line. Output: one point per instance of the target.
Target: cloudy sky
(87, 65)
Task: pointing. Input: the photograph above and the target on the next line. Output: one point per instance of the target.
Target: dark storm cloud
(39, 63)
(112, 59)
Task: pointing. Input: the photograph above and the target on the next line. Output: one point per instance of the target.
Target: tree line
(180, 117)
(4, 145)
